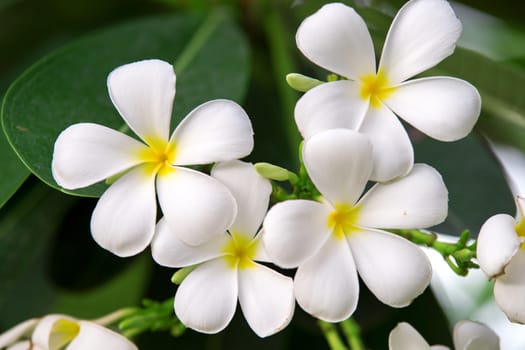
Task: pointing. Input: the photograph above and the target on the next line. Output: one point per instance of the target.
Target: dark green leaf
(69, 86)
(13, 171)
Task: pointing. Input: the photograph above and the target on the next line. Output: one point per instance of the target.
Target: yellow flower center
(520, 230)
(159, 155)
(240, 251)
(62, 333)
(375, 87)
(342, 220)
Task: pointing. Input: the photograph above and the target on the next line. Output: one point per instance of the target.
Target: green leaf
(28, 223)
(210, 57)
(13, 172)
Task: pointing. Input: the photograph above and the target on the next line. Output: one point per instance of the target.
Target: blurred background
(48, 260)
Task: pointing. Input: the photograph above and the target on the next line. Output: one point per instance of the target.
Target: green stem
(115, 316)
(352, 332)
(332, 336)
(458, 255)
(282, 64)
(198, 40)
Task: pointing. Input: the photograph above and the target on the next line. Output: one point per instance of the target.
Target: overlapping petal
(196, 206)
(87, 153)
(168, 250)
(405, 337)
(143, 93)
(251, 192)
(92, 336)
(55, 331)
(339, 164)
(509, 289)
(326, 285)
(417, 200)
(393, 268)
(470, 335)
(215, 131)
(295, 230)
(442, 107)
(207, 298)
(336, 38)
(266, 299)
(123, 221)
(497, 244)
(392, 150)
(329, 106)
(422, 34)
(24, 345)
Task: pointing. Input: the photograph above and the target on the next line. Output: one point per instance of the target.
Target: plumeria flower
(422, 34)
(195, 205)
(501, 256)
(227, 269)
(332, 239)
(55, 332)
(467, 335)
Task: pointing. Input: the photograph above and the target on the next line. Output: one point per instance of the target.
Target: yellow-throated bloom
(422, 34)
(501, 256)
(61, 332)
(194, 204)
(330, 241)
(227, 268)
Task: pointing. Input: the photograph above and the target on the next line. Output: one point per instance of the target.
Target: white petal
(339, 163)
(394, 269)
(266, 299)
(509, 289)
(336, 38)
(207, 298)
(251, 192)
(196, 206)
(417, 200)
(123, 221)
(51, 334)
(422, 34)
(326, 285)
(444, 108)
(295, 230)
(168, 250)
(92, 336)
(18, 331)
(470, 335)
(23, 345)
(405, 337)
(440, 347)
(261, 255)
(143, 93)
(392, 150)
(330, 106)
(215, 131)
(497, 244)
(87, 153)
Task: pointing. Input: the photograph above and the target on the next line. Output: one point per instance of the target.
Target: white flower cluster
(219, 223)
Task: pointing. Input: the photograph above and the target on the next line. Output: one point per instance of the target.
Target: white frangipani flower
(227, 269)
(56, 332)
(501, 256)
(195, 205)
(422, 34)
(330, 241)
(467, 335)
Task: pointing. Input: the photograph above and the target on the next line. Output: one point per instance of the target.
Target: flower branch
(458, 255)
